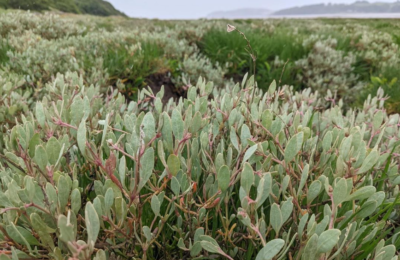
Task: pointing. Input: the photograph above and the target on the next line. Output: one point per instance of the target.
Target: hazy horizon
(181, 9)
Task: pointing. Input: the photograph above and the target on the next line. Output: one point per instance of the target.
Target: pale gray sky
(192, 9)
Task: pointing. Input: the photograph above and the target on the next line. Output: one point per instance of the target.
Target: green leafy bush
(222, 173)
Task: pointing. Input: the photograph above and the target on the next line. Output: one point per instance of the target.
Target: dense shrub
(89, 171)
(328, 69)
(268, 177)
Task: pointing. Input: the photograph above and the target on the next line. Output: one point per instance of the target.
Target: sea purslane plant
(223, 172)
(327, 69)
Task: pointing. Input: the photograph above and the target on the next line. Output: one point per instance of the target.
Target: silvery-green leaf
(270, 250)
(363, 193)
(92, 224)
(263, 189)
(35, 141)
(42, 230)
(285, 183)
(311, 225)
(209, 87)
(181, 245)
(244, 135)
(196, 249)
(369, 162)
(311, 249)
(340, 192)
(224, 177)
(30, 187)
(77, 110)
(98, 207)
(155, 205)
(21, 235)
(272, 88)
(108, 199)
(293, 146)
(247, 177)
(345, 146)
(249, 152)
(121, 170)
(377, 120)
(286, 209)
(120, 208)
(244, 80)
(53, 148)
(63, 192)
(302, 224)
(40, 114)
(196, 123)
(52, 197)
(219, 161)
(66, 229)
(86, 108)
(390, 251)
(147, 233)
(209, 239)
(313, 191)
(208, 246)
(267, 118)
(158, 105)
(234, 139)
(148, 124)
(367, 209)
(321, 226)
(41, 157)
(379, 197)
(75, 201)
(100, 255)
(177, 124)
(81, 137)
(327, 240)
(39, 225)
(327, 141)
(166, 132)
(147, 166)
(175, 186)
(174, 165)
(304, 176)
(276, 217)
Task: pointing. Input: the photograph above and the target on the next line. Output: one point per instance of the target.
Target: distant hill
(357, 7)
(94, 7)
(245, 13)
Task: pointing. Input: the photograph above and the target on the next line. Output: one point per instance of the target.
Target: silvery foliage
(87, 174)
(326, 68)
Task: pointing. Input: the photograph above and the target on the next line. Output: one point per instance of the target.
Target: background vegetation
(348, 57)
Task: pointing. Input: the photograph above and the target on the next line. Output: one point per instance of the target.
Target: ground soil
(155, 82)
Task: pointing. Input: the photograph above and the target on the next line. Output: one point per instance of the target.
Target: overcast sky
(192, 9)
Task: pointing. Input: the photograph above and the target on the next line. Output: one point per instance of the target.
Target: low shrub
(223, 173)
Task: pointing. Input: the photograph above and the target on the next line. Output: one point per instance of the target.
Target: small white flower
(230, 28)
